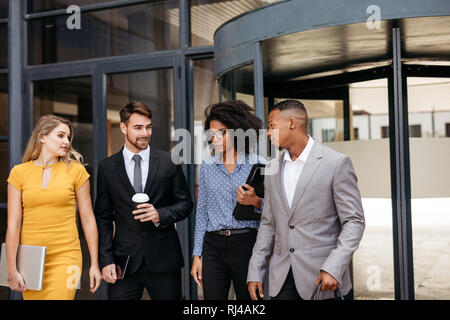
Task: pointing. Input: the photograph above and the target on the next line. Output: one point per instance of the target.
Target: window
(126, 30)
(415, 131)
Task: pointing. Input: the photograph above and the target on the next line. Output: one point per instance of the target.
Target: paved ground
(373, 261)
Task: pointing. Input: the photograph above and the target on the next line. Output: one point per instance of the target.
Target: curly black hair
(234, 115)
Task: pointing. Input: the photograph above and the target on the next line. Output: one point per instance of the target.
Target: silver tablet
(30, 263)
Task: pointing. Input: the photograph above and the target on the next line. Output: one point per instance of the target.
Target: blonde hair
(45, 125)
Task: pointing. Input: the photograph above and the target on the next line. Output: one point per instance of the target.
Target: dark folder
(121, 265)
(256, 180)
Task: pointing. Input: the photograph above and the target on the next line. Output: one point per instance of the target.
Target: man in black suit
(147, 234)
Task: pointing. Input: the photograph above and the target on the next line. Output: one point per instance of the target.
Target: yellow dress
(49, 219)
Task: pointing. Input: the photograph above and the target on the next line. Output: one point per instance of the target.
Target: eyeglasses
(219, 134)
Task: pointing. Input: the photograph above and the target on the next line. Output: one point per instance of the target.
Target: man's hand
(109, 273)
(146, 212)
(252, 287)
(328, 282)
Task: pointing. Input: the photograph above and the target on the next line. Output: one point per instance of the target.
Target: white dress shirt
(293, 169)
(129, 164)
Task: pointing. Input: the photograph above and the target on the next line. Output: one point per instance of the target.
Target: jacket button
(143, 234)
(292, 227)
(291, 250)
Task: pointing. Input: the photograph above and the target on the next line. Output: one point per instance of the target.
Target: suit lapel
(280, 183)
(310, 167)
(120, 165)
(152, 169)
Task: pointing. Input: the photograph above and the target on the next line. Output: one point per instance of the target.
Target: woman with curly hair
(223, 245)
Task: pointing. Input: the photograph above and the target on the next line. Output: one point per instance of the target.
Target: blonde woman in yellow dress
(43, 192)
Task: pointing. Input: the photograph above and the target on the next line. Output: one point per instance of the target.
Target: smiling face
(57, 142)
(137, 132)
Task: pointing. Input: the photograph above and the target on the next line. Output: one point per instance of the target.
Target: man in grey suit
(312, 221)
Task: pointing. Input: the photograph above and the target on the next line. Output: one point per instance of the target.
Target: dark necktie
(137, 174)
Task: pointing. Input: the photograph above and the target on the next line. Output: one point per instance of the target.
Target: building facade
(374, 76)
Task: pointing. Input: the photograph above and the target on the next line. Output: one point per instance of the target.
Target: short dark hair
(134, 107)
(234, 115)
(293, 105)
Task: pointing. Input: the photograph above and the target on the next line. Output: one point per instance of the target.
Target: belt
(228, 232)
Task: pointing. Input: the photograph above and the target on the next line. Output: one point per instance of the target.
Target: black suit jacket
(167, 188)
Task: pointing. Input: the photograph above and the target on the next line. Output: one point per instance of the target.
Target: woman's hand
(248, 197)
(16, 282)
(196, 271)
(95, 278)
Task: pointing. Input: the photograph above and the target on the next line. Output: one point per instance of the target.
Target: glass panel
(48, 5)
(429, 122)
(3, 45)
(4, 171)
(127, 30)
(373, 262)
(155, 89)
(238, 84)
(3, 9)
(205, 94)
(4, 109)
(72, 99)
(208, 15)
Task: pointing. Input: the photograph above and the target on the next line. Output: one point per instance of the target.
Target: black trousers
(288, 290)
(160, 286)
(225, 259)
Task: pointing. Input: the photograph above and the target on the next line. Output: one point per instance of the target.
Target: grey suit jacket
(320, 231)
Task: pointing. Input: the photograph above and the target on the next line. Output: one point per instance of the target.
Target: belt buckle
(227, 233)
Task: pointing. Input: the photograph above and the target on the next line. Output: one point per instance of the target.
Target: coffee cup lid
(140, 197)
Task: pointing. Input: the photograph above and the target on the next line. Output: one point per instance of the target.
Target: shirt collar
(242, 158)
(128, 155)
(305, 153)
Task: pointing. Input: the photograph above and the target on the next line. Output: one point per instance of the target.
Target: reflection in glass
(155, 89)
(126, 30)
(208, 15)
(4, 109)
(429, 111)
